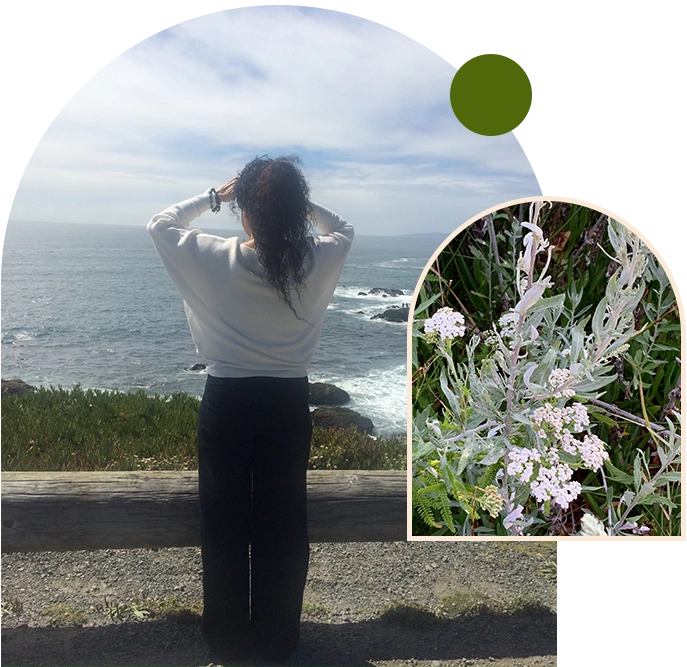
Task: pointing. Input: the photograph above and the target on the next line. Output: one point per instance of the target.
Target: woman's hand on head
(226, 192)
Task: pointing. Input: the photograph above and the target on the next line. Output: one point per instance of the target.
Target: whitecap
(380, 395)
(363, 294)
(18, 337)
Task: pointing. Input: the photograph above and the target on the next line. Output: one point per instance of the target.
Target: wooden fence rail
(66, 511)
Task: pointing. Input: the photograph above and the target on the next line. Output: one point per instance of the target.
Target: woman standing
(255, 310)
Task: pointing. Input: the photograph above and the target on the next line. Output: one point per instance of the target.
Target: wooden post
(66, 511)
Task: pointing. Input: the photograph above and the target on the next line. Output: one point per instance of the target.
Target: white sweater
(239, 323)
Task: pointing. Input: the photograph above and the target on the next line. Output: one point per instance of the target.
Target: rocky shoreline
(15, 387)
(327, 400)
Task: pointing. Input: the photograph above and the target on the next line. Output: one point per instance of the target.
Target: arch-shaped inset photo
(546, 378)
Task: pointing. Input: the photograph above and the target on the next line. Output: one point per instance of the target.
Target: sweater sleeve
(180, 215)
(190, 257)
(332, 225)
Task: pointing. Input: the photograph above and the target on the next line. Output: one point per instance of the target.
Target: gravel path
(425, 604)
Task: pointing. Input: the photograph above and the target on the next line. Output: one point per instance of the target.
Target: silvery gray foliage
(516, 417)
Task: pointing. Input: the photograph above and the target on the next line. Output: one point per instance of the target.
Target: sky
(362, 96)
(366, 108)
(51, 51)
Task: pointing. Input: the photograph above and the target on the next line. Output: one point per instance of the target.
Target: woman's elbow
(154, 224)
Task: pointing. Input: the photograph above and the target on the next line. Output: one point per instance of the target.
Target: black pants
(253, 449)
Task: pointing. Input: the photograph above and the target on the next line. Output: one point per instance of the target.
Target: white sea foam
(18, 337)
(380, 395)
(363, 294)
(198, 371)
(403, 262)
(369, 313)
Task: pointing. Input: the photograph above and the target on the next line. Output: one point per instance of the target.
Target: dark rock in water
(362, 293)
(341, 418)
(399, 314)
(16, 387)
(197, 367)
(323, 393)
(386, 291)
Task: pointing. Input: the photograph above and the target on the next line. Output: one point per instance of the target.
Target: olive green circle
(491, 94)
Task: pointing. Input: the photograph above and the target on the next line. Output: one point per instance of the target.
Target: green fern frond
(488, 477)
(428, 505)
(423, 505)
(446, 513)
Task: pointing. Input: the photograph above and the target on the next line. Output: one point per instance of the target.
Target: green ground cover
(87, 429)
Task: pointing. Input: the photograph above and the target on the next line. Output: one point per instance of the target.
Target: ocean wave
(11, 338)
(363, 294)
(396, 263)
(360, 311)
(196, 371)
(368, 314)
(402, 262)
(380, 394)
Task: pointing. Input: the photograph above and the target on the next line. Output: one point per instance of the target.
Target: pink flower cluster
(557, 426)
(557, 418)
(553, 477)
(558, 378)
(554, 484)
(521, 462)
(593, 451)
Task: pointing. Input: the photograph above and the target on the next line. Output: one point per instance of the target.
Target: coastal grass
(472, 603)
(408, 615)
(171, 608)
(56, 429)
(315, 609)
(65, 614)
(460, 603)
(11, 607)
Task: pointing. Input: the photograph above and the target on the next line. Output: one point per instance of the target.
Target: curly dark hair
(275, 197)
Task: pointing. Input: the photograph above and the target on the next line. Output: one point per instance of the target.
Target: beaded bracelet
(215, 204)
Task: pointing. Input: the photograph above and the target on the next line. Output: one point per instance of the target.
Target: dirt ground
(426, 604)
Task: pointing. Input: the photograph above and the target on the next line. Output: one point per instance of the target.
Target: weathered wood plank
(58, 511)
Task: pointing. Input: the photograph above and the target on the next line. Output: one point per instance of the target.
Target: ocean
(91, 305)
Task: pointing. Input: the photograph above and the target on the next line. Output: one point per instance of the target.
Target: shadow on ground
(165, 643)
